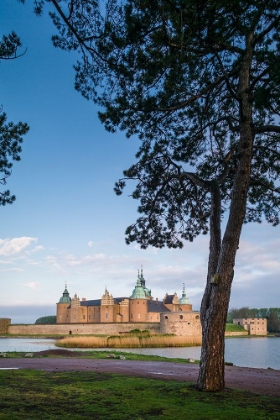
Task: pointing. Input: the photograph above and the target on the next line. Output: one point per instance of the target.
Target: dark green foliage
(169, 72)
(273, 320)
(51, 319)
(10, 133)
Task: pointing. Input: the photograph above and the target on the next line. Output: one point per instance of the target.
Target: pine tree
(198, 82)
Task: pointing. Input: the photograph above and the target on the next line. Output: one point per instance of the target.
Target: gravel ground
(261, 381)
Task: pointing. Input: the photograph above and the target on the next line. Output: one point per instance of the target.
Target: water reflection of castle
(139, 307)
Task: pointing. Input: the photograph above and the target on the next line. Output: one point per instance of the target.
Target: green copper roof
(147, 291)
(138, 292)
(65, 298)
(184, 300)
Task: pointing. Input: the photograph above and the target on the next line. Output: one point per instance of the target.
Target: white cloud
(53, 262)
(14, 246)
(90, 243)
(32, 284)
(37, 248)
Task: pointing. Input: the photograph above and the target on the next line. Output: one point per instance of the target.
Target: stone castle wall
(185, 324)
(65, 329)
(254, 326)
(4, 325)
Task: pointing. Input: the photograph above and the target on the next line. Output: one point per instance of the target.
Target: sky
(67, 225)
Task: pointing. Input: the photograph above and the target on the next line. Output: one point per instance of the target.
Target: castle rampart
(65, 329)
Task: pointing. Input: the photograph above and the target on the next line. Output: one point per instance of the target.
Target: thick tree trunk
(215, 302)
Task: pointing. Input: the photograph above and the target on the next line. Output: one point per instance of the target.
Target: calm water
(259, 352)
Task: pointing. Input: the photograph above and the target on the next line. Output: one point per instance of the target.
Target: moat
(258, 352)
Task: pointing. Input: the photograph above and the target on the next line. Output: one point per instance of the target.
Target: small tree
(50, 319)
(238, 313)
(273, 320)
(10, 133)
(198, 82)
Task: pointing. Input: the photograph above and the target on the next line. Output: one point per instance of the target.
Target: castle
(138, 308)
(254, 326)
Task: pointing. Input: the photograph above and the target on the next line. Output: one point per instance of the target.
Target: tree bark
(215, 302)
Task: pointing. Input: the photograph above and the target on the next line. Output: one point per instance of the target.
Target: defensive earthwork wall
(65, 329)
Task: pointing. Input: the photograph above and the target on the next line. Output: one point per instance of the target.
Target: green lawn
(37, 395)
(99, 354)
(234, 328)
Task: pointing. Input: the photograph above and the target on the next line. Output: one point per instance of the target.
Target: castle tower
(184, 303)
(62, 307)
(138, 303)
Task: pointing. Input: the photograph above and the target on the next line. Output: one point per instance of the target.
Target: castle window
(106, 315)
(181, 316)
(84, 317)
(166, 317)
(74, 316)
(197, 317)
(138, 303)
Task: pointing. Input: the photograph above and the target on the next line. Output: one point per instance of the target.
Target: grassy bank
(80, 395)
(99, 354)
(234, 328)
(127, 341)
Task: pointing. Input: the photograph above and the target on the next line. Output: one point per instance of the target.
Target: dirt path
(262, 381)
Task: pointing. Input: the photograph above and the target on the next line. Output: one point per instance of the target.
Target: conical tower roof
(138, 292)
(65, 298)
(184, 300)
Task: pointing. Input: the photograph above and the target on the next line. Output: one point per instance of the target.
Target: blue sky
(67, 225)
